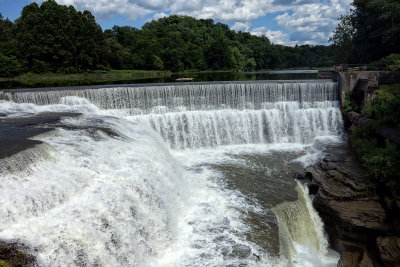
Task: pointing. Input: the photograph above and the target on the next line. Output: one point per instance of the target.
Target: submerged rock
(15, 254)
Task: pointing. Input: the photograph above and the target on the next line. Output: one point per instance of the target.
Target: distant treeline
(58, 38)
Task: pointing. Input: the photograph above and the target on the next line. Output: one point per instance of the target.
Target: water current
(196, 174)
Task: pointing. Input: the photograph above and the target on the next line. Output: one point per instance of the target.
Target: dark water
(197, 77)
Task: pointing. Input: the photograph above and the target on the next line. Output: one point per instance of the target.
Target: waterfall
(193, 96)
(20, 162)
(296, 218)
(277, 122)
(168, 175)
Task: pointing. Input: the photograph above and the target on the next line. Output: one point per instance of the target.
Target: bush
(384, 105)
(348, 105)
(9, 66)
(392, 62)
(382, 162)
(39, 66)
(381, 159)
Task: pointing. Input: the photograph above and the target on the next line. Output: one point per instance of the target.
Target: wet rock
(389, 250)
(15, 254)
(357, 259)
(39, 119)
(367, 261)
(353, 213)
(349, 259)
(339, 178)
(358, 119)
(15, 132)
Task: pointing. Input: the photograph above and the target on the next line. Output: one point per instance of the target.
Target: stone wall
(347, 80)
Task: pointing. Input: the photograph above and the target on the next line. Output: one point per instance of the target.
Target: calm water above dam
(167, 78)
(194, 174)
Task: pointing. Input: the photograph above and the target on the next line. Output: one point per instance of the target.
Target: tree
(9, 66)
(343, 39)
(60, 37)
(369, 32)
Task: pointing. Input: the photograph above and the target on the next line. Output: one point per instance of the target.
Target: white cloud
(241, 26)
(313, 22)
(159, 15)
(276, 37)
(221, 10)
(304, 20)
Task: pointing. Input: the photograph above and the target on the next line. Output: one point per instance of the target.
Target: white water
(132, 201)
(190, 96)
(278, 122)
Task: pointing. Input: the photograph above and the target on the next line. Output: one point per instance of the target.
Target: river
(193, 174)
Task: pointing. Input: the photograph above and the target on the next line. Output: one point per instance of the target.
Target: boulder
(356, 259)
(349, 259)
(389, 250)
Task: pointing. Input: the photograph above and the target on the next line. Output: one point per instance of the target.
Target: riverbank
(142, 76)
(356, 190)
(30, 80)
(361, 217)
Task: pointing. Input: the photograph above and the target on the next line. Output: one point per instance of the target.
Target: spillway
(193, 174)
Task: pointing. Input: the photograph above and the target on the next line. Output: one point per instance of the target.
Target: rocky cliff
(361, 218)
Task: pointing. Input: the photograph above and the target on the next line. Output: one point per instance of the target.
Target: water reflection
(197, 77)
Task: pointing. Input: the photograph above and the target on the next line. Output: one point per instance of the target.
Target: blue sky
(287, 22)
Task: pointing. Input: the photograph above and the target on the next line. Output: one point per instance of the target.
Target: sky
(287, 22)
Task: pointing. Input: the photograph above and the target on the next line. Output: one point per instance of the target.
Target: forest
(369, 34)
(58, 38)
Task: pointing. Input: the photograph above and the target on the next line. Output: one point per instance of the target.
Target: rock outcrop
(389, 250)
(357, 219)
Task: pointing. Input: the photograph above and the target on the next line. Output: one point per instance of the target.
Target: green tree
(343, 39)
(9, 66)
(369, 32)
(60, 37)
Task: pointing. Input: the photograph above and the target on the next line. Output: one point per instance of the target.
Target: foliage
(391, 62)
(369, 32)
(382, 162)
(9, 66)
(57, 38)
(384, 105)
(381, 159)
(348, 105)
(342, 39)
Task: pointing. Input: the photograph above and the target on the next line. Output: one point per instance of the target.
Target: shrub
(9, 66)
(384, 105)
(348, 105)
(382, 162)
(392, 62)
(381, 159)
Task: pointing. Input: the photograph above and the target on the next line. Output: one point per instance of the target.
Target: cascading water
(170, 175)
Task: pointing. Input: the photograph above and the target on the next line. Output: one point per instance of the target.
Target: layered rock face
(360, 219)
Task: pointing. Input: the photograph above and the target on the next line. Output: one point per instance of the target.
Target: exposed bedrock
(361, 219)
